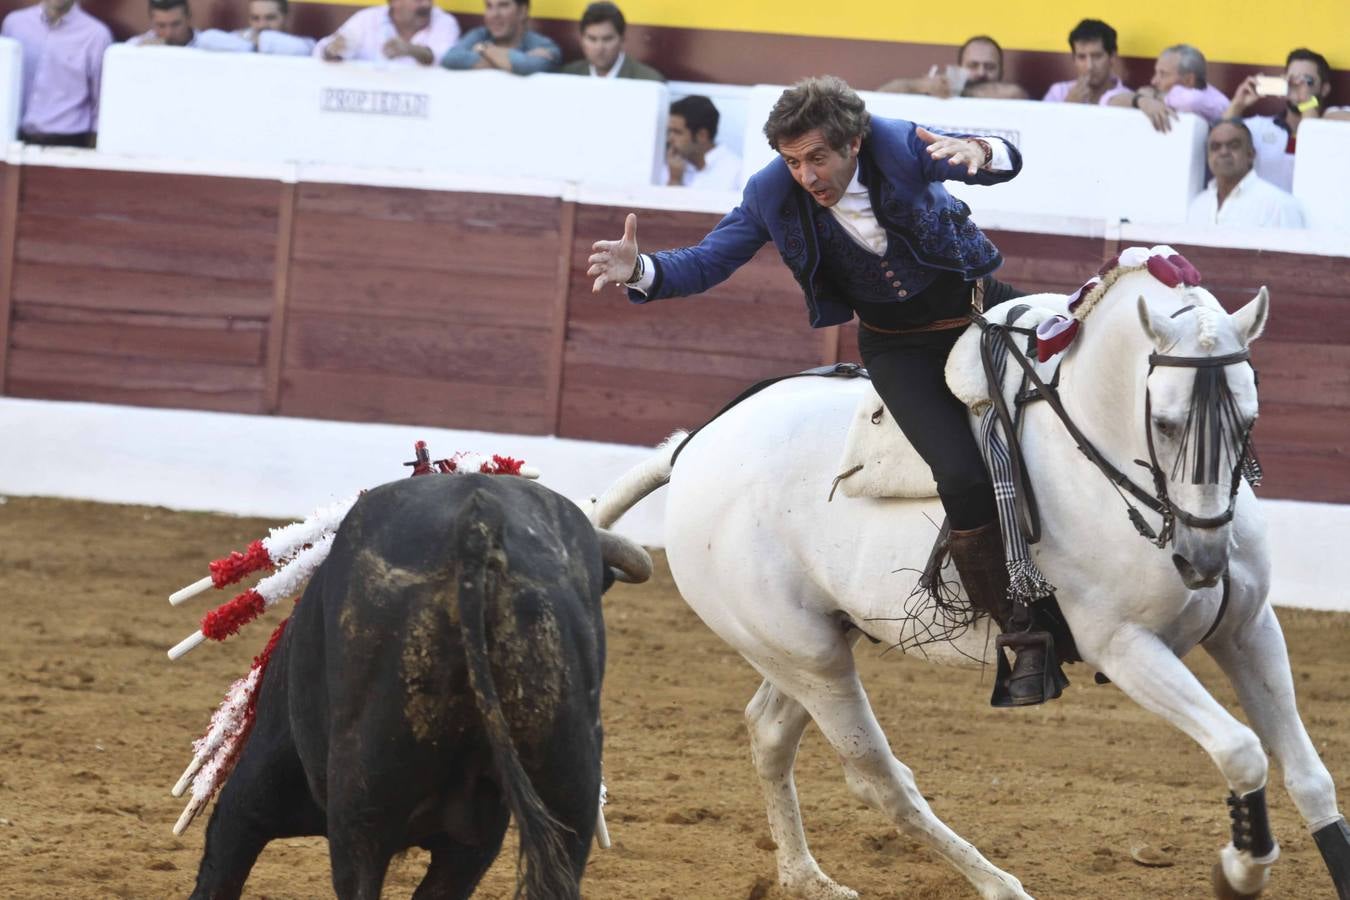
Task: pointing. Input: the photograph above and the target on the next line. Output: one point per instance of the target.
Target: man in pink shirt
(1178, 86)
(62, 66)
(1093, 43)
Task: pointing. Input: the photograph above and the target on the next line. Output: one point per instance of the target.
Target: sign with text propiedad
(379, 103)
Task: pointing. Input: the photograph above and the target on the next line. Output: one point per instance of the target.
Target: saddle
(878, 460)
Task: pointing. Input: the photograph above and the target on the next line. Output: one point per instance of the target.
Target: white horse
(787, 576)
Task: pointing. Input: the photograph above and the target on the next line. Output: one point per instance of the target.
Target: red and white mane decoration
(292, 553)
(1162, 262)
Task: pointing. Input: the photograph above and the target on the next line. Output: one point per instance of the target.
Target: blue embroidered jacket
(907, 199)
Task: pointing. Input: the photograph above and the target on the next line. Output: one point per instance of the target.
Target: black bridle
(1159, 501)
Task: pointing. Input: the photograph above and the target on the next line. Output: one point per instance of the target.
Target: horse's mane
(1168, 267)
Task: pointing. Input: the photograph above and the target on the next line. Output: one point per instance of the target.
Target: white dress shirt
(368, 30)
(1270, 140)
(854, 209)
(1253, 202)
(278, 43)
(721, 171)
(613, 70)
(202, 39)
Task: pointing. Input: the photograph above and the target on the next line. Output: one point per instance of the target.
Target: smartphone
(1271, 86)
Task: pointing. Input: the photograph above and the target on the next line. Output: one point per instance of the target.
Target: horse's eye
(1165, 427)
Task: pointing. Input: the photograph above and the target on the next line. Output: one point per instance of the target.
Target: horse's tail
(543, 868)
(637, 482)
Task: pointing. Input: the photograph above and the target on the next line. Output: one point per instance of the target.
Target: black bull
(440, 675)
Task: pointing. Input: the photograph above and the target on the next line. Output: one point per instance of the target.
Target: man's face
(1229, 152)
(266, 15)
(679, 138)
(505, 19)
(410, 15)
(172, 26)
(601, 45)
(1165, 73)
(55, 9)
(980, 60)
(819, 168)
(1092, 63)
(1305, 82)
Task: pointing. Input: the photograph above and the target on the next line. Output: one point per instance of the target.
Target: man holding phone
(1305, 87)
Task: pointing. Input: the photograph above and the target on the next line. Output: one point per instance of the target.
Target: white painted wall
(11, 88)
(194, 105)
(286, 468)
(1321, 178)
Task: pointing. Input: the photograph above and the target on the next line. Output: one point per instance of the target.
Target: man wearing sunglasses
(1309, 84)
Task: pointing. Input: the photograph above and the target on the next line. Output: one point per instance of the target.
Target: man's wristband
(1137, 97)
(988, 151)
(639, 269)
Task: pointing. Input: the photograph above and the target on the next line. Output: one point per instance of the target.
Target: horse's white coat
(775, 569)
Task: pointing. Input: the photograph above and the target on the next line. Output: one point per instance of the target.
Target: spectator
(981, 58)
(62, 48)
(693, 156)
(1178, 86)
(267, 30)
(1308, 77)
(171, 26)
(603, 56)
(405, 33)
(1093, 43)
(505, 41)
(1236, 195)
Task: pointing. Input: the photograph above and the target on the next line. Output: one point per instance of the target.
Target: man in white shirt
(171, 26)
(1237, 196)
(406, 32)
(1308, 76)
(693, 157)
(267, 30)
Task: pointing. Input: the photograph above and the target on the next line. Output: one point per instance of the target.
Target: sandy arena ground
(95, 726)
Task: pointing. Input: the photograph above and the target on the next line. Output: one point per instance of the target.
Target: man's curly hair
(825, 102)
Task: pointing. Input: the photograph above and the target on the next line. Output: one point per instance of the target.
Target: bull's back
(388, 611)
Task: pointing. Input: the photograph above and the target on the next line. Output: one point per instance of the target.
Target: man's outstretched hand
(613, 262)
(957, 151)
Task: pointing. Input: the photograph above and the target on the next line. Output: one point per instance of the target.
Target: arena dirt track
(95, 726)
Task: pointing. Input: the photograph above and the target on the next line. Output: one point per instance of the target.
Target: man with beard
(602, 51)
(406, 32)
(1093, 43)
(505, 42)
(855, 207)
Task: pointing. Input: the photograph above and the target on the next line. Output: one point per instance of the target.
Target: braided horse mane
(1167, 266)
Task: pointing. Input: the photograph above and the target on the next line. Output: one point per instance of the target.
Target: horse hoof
(1223, 890)
(818, 887)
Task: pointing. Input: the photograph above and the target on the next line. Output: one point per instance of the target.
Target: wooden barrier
(472, 309)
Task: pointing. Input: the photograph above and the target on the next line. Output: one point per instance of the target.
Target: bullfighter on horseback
(856, 208)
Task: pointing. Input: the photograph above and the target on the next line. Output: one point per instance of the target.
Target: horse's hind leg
(1254, 657)
(776, 722)
(826, 684)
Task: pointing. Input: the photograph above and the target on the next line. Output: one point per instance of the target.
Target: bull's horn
(633, 563)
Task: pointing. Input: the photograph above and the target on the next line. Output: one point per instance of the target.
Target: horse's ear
(1250, 321)
(1160, 329)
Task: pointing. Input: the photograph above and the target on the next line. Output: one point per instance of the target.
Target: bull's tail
(637, 482)
(544, 867)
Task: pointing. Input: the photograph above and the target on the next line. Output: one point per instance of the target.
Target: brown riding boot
(978, 555)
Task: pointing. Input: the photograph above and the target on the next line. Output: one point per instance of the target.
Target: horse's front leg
(1149, 672)
(1253, 655)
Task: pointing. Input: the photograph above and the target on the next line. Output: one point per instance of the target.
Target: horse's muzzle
(1202, 575)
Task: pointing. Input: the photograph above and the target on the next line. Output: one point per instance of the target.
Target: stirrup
(1047, 684)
